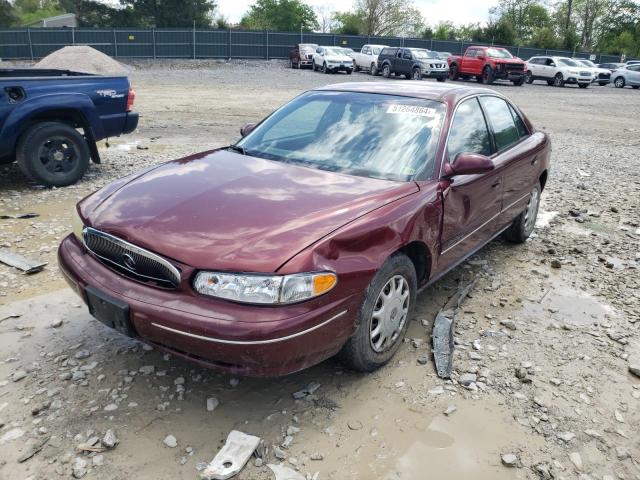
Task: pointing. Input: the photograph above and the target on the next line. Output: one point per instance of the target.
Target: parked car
(629, 75)
(312, 234)
(367, 58)
(302, 55)
(610, 66)
(414, 63)
(331, 60)
(487, 64)
(50, 120)
(632, 62)
(558, 71)
(444, 55)
(601, 76)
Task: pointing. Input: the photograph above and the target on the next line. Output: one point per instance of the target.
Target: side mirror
(552, 64)
(468, 164)
(246, 129)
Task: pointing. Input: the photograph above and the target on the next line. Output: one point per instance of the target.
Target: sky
(434, 11)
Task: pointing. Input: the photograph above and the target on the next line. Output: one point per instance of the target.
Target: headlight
(76, 223)
(264, 289)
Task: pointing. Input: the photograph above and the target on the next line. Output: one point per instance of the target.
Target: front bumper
(577, 80)
(238, 339)
(340, 68)
(435, 73)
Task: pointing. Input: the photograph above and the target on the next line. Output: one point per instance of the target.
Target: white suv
(557, 71)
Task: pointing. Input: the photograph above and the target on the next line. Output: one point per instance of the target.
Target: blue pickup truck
(50, 120)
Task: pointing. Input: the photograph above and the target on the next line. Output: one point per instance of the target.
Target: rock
(509, 460)
(316, 456)
(354, 424)
(55, 323)
(284, 473)
(232, 457)
(279, 453)
(555, 263)
(80, 354)
(110, 440)
(450, 410)
(566, 436)
(509, 324)
(111, 407)
(622, 453)
(18, 375)
(212, 404)
(576, 459)
(422, 360)
(147, 369)
(11, 435)
(544, 471)
(79, 468)
(634, 368)
(98, 460)
(170, 441)
(467, 379)
(618, 415)
(291, 430)
(234, 382)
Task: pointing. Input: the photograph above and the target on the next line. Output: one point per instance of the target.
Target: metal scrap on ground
(443, 327)
(232, 457)
(18, 261)
(285, 473)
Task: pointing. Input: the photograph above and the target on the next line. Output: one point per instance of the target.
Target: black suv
(414, 63)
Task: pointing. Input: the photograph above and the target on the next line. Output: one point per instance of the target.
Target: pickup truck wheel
(384, 316)
(528, 77)
(313, 65)
(519, 82)
(53, 153)
(453, 72)
(558, 80)
(619, 82)
(373, 70)
(524, 223)
(386, 71)
(291, 65)
(356, 68)
(487, 75)
(416, 74)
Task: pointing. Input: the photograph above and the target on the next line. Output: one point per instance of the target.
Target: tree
(326, 18)
(445, 30)
(388, 17)
(171, 13)
(8, 17)
(282, 15)
(348, 23)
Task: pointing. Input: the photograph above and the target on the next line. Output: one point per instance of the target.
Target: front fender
(20, 116)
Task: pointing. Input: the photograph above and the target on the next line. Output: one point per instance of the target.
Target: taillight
(130, 99)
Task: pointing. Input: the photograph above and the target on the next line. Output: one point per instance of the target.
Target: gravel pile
(83, 59)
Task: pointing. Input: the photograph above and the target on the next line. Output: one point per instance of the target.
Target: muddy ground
(544, 343)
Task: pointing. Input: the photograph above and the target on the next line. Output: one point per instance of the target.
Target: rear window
(388, 51)
(501, 120)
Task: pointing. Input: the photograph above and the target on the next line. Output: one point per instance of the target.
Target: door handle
(534, 161)
(496, 183)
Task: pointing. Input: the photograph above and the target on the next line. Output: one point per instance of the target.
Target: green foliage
(282, 15)
(8, 17)
(348, 23)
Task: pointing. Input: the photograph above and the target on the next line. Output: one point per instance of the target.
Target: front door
(471, 203)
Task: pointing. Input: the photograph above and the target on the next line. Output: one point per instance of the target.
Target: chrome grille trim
(112, 249)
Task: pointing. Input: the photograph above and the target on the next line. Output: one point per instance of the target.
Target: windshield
(308, 46)
(334, 51)
(376, 50)
(420, 54)
(587, 63)
(498, 53)
(364, 134)
(567, 62)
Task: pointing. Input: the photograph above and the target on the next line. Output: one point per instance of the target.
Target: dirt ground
(547, 336)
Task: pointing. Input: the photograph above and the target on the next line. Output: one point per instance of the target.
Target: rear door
(633, 75)
(469, 60)
(472, 202)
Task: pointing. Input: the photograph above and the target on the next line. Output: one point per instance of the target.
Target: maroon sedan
(312, 235)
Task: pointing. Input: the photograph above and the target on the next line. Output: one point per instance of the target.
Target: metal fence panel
(36, 43)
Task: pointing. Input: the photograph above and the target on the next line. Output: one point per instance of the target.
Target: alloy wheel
(389, 314)
(619, 83)
(531, 213)
(58, 155)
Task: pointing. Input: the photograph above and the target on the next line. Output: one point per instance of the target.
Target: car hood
(222, 210)
(338, 58)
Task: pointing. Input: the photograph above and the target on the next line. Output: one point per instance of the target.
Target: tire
(416, 74)
(325, 70)
(366, 351)
(442, 79)
(602, 84)
(487, 75)
(386, 70)
(453, 72)
(313, 66)
(583, 85)
(519, 82)
(356, 68)
(528, 77)
(550, 83)
(291, 63)
(635, 87)
(373, 70)
(524, 224)
(558, 80)
(349, 71)
(53, 154)
(619, 82)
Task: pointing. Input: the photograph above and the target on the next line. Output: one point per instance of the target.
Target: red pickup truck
(487, 64)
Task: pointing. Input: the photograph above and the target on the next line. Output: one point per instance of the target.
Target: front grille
(585, 74)
(515, 66)
(309, 56)
(131, 260)
(604, 76)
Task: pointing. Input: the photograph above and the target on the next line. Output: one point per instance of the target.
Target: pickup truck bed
(50, 120)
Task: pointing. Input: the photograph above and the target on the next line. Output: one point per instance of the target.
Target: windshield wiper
(238, 148)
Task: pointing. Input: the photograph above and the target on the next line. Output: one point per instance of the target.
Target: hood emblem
(129, 261)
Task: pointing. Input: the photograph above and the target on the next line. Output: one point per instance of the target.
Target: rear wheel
(53, 154)
(619, 82)
(349, 71)
(453, 72)
(635, 87)
(373, 70)
(384, 315)
(442, 79)
(487, 75)
(524, 223)
(416, 74)
(386, 71)
(558, 80)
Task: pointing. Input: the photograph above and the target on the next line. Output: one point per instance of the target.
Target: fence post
(267, 42)
(431, 44)
(334, 39)
(194, 39)
(518, 52)
(73, 35)
(461, 48)
(115, 42)
(153, 39)
(30, 43)
(229, 44)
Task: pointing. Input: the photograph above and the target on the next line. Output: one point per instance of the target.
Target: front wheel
(324, 68)
(386, 71)
(619, 82)
(519, 82)
(384, 316)
(487, 75)
(524, 223)
(558, 80)
(442, 79)
(528, 77)
(53, 154)
(349, 71)
(583, 85)
(416, 74)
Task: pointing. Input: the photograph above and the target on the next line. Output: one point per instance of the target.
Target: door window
(366, 50)
(468, 132)
(471, 52)
(500, 118)
(406, 55)
(522, 129)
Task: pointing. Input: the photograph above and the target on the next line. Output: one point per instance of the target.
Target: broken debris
(18, 261)
(232, 457)
(284, 473)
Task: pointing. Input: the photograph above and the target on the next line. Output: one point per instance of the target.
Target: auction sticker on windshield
(412, 110)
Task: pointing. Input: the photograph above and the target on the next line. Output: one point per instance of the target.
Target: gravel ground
(545, 344)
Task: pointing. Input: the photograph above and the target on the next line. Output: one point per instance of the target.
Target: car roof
(425, 90)
(375, 45)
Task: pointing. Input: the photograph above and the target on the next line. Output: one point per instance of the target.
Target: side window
(522, 129)
(303, 121)
(549, 62)
(366, 51)
(468, 131)
(634, 68)
(471, 52)
(501, 120)
(399, 53)
(406, 54)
